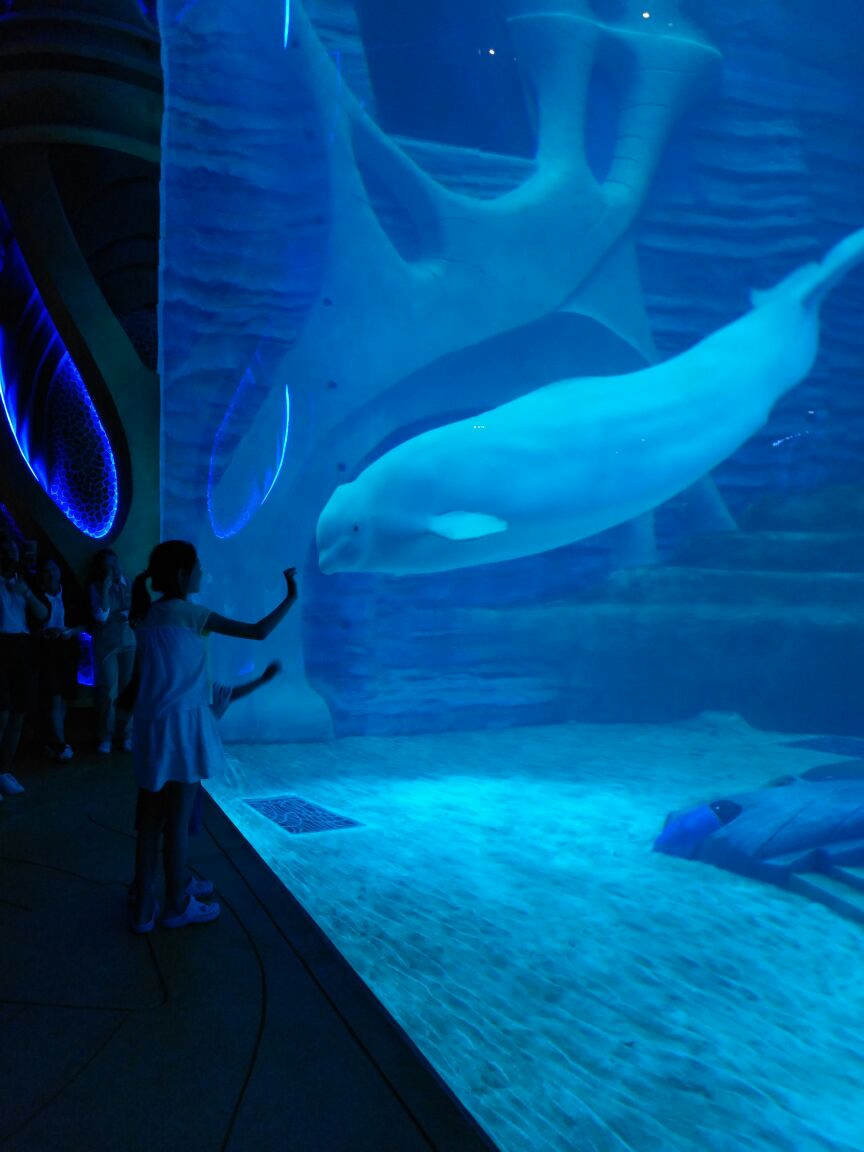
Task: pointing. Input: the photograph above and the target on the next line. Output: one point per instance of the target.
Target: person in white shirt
(57, 660)
(17, 673)
(113, 647)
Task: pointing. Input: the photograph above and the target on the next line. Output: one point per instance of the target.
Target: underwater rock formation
(306, 251)
(803, 832)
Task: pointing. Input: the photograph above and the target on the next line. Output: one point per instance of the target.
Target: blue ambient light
(224, 527)
(76, 433)
(287, 22)
(49, 411)
(18, 429)
(86, 667)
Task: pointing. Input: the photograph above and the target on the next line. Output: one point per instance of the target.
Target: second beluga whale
(579, 456)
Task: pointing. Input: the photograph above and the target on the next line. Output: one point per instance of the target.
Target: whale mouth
(327, 562)
(336, 557)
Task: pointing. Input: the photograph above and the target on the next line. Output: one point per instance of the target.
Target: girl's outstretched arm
(238, 691)
(261, 629)
(225, 694)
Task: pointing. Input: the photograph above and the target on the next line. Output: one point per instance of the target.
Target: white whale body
(581, 455)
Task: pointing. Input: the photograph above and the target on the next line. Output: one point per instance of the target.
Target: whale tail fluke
(811, 283)
(842, 258)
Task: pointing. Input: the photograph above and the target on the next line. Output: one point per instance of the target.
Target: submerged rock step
(775, 552)
(769, 591)
(830, 891)
(829, 510)
(545, 636)
(784, 667)
(852, 877)
(781, 667)
(447, 701)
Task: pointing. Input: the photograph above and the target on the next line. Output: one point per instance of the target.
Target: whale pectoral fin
(466, 525)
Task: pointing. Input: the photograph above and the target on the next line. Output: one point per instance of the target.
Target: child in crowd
(57, 662)
(17, 674)
(113, 647)
(176, 744)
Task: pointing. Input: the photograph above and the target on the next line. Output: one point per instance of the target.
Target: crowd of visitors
(40, 654)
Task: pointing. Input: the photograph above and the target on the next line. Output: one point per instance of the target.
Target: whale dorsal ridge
(801, 278)
(812, 283)
(466, 525)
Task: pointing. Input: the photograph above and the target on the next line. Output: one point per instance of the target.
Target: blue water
(413, 257)
(354, 289)
(574, 989)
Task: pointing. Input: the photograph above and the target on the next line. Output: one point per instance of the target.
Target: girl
(175, 743)
(113, 646)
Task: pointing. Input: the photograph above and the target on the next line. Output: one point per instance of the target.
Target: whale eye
(356, 528)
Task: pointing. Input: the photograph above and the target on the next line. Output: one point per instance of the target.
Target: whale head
(397, 526)
(363, 530)
(344, 532)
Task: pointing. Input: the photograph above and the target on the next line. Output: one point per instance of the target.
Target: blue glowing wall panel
(47, 406)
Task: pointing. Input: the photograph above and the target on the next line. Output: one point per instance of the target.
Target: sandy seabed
(578, 992)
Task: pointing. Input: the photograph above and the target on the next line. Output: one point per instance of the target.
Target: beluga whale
(580, 455)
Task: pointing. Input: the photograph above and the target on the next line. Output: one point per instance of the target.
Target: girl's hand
(221, 700)
(271, 671)
(291, 582)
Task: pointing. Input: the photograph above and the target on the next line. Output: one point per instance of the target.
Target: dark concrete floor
(251, 1033)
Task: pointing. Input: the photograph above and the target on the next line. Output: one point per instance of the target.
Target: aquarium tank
(531, 333)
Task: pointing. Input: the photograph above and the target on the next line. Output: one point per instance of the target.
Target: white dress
(174, 734)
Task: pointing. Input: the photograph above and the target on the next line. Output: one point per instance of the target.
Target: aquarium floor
(247, 1034)
(576, 990)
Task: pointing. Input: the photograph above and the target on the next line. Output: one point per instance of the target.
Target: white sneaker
(64, 754)
(9, 785)
(127, 744)
(194, 913)
(104, 749)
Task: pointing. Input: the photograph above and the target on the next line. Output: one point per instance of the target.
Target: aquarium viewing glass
(531, 333)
